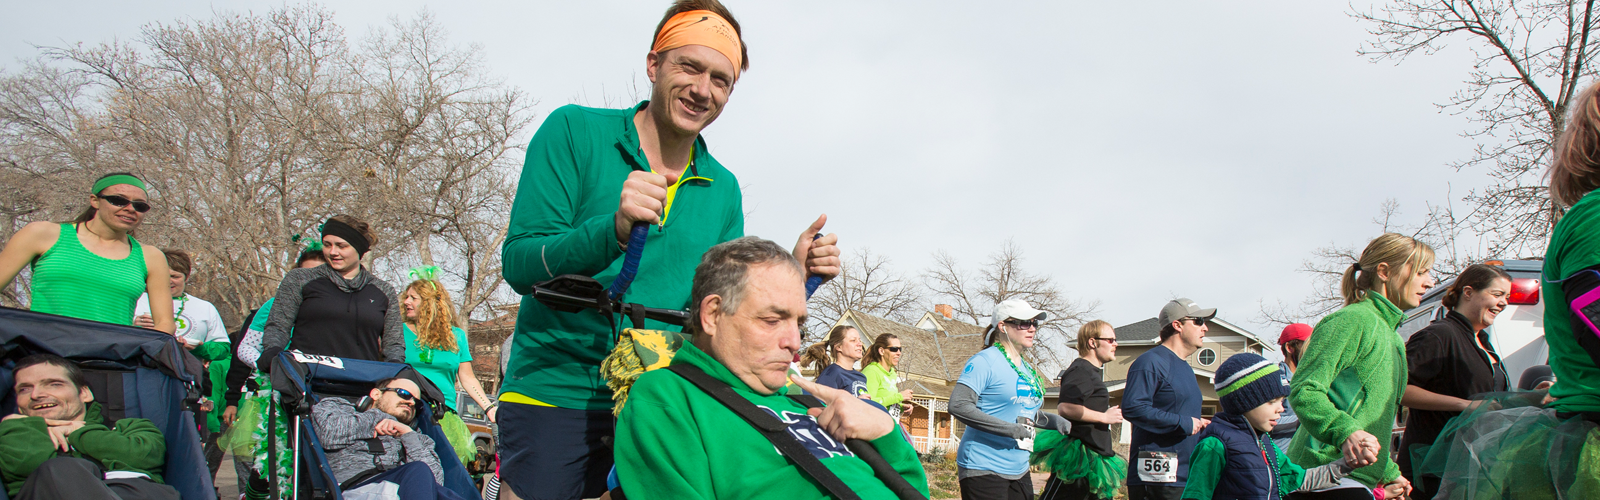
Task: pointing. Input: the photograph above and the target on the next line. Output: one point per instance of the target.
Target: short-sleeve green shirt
(440, 367)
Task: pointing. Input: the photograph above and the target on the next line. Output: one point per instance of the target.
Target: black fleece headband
(335, 228)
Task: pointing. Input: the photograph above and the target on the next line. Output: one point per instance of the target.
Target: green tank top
(69, 280)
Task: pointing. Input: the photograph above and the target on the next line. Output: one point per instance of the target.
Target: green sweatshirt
(883, 384)
(676, 442)
(1350, 379)
(133, 444)
(562, 223)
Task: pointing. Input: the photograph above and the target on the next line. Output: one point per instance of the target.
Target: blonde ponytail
(1399, 253)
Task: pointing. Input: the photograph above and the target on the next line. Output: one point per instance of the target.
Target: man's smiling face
(46, 390)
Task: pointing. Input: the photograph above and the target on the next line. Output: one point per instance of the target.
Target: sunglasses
(1197, 321)
(1107, 340)
(1022, 323)
(894, 348)
(123, 201)
(404, 394)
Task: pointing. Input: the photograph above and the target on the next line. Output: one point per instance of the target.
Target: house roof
(920, 387)
(928, 353)
(1148, 332)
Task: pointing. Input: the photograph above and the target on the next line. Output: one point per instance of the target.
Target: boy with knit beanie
(1235, 457)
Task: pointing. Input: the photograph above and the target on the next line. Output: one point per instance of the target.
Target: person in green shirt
(1350, 380)
(590, 174)
(676, 441)
(1546, 446)
(92, 267)
(439, 350)
(883, 382)
(58, 446)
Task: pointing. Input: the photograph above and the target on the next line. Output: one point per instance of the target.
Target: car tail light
(1524, 291)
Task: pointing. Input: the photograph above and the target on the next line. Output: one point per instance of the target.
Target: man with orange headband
(590, 174)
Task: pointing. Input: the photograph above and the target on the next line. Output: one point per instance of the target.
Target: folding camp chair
(133, 372)
(302, 380)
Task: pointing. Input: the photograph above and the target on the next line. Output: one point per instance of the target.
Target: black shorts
(549, 453)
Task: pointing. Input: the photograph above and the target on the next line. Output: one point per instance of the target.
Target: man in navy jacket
(1162, 401)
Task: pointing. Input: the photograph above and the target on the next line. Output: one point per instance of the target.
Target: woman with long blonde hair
(1348, 386)
(439, 350)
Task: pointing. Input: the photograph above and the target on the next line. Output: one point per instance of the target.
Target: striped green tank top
(69, 280)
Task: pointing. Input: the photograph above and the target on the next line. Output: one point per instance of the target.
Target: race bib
(1027, 442)
(318, 359)
(1157, 466)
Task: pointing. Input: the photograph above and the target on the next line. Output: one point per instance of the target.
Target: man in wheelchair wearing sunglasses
(373, 443)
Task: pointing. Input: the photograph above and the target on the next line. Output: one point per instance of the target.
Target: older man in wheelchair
(58, 446)
(373, 447)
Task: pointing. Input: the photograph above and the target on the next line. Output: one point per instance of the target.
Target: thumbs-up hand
(819, 256)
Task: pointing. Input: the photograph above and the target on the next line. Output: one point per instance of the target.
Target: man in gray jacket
(377, 444)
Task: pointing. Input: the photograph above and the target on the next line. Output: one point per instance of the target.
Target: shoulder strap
(773, 429)
(880, 466)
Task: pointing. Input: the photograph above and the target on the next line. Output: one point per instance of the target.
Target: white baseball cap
(1016, 309)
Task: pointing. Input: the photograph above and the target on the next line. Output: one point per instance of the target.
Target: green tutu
(240, 440)
(460, 438)
(1070, 460)
(1511, 447)
(248, 437)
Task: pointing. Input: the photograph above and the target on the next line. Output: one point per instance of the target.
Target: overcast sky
(1136, 152)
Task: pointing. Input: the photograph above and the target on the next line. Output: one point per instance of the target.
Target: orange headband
(700, 27)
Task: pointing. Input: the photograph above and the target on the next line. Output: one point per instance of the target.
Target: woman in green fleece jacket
(1349, 382)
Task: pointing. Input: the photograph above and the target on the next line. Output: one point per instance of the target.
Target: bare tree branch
(1004, 277)
(866, 284)
(1520, 49)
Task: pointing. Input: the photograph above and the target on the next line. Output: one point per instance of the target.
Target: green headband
(112, 180)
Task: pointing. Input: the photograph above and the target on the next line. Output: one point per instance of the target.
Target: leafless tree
(868, 284)
(1327, 264)
(973, 295)
(1530, 60)
(252, 129)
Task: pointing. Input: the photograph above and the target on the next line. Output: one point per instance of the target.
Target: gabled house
(1223, 340)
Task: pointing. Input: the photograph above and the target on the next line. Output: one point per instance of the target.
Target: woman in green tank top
(92, 268)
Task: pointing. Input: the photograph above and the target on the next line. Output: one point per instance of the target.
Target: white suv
(1517, 333)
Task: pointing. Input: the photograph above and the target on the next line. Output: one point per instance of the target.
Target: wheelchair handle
(630, 264)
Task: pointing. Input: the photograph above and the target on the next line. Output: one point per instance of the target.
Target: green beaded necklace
(1034, 381)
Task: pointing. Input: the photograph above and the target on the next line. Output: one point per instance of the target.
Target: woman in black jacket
(1451, 360)
(337, 309)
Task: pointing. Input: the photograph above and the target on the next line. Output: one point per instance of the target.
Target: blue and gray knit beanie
(1248, 380)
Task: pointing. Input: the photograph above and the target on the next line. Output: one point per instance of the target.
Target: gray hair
(724, 271)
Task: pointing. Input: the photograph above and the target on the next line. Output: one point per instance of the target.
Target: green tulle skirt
(1070, 460)
(1511, 447)
(247, 439)
(460, 438)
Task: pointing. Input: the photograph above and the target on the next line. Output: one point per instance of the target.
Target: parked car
(482, 433)
(1517, 333)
